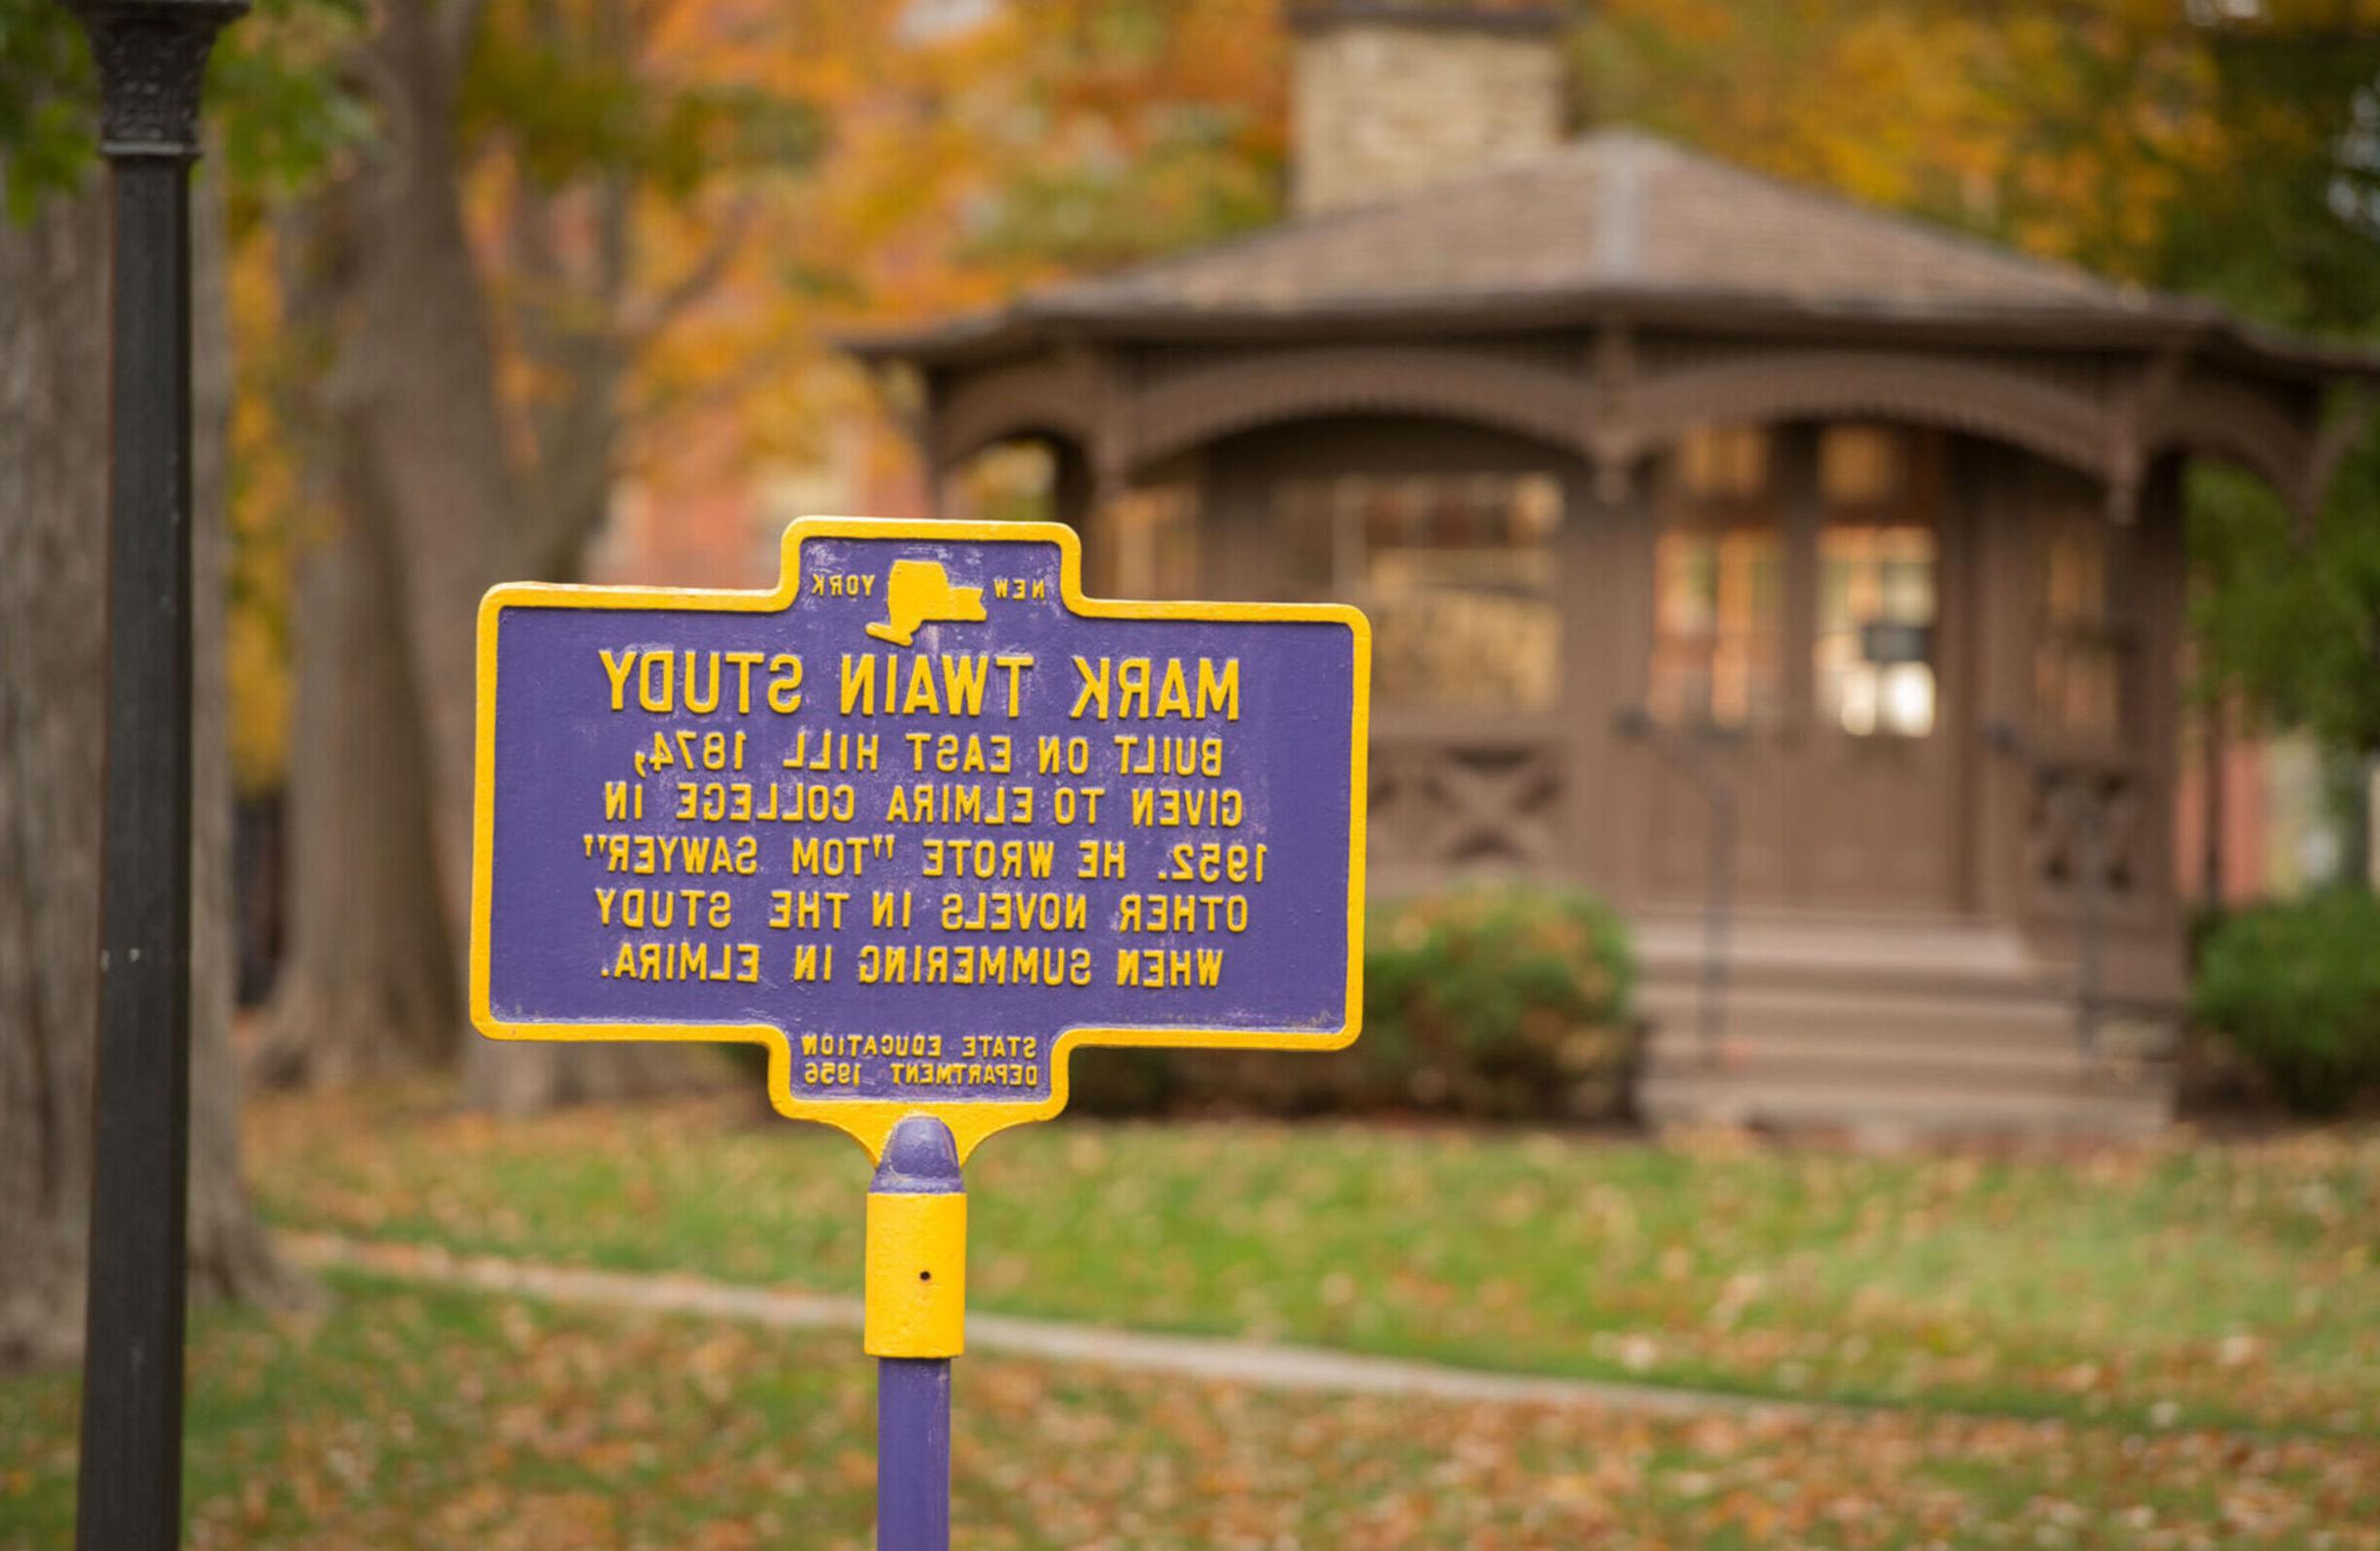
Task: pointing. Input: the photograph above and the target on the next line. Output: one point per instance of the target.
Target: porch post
(1604, 569)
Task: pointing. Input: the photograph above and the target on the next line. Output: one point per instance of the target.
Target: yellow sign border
(871, 1121)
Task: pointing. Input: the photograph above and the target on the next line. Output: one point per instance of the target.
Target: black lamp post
(1694, 756)
(152, 57)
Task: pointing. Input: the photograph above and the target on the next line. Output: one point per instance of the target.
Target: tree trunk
(53, 471)
(417, 381)
(369, 986)
(231, 1256)
(53, 415)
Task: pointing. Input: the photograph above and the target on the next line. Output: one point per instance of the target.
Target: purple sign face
(921, 819)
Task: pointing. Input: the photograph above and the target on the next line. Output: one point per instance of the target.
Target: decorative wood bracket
(2144, 403)
(1109, 449)
(1613, 439)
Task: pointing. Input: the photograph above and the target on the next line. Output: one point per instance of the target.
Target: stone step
(1790, 1061)
(1940, 1028)
(1867, 1018)
(1893, 1112)
(1880, 973)
(1869, 957)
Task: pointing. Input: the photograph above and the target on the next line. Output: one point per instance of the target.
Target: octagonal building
(1806, 579)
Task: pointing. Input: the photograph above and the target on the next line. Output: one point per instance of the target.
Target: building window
(1718, 587)
(1859, 466)
(1872, 652)
(1718, 620)
(1724, 463)
(1457, 572)
(2078, 650)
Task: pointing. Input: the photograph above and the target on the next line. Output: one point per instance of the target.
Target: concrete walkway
(1216, 1359)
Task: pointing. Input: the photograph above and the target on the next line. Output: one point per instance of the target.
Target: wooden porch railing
(1457, 793)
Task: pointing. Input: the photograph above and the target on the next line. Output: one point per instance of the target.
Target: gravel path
(1214, 1358)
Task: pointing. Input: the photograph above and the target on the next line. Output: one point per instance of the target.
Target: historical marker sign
(921, 820)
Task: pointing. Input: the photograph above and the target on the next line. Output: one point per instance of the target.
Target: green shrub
(1507, 1004)
(2295, 990)
(1502, 1004)
(1492, 1003)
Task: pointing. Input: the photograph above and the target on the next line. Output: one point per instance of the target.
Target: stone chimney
(1386, 95)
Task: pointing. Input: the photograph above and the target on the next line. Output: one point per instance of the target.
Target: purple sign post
(921, 820)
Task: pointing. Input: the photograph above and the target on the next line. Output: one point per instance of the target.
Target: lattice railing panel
(1453, 803)
(2066, 795)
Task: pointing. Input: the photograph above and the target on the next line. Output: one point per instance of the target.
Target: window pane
(1717, 615)
(2079, 654)
(1724, 463)
(1457, 572)
(1717, 585)
(1859, 465)
(1872, 655)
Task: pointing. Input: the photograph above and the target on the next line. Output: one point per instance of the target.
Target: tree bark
(53, 471)
(368, 987)
(53, 415)
(231, 1256)
(416, 377)
(417, 381)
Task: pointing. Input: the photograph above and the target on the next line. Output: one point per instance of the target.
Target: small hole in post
(925, 1276)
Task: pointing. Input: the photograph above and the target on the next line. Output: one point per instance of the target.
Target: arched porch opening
(1458, 538)
(2254, 808)
(1031, 474)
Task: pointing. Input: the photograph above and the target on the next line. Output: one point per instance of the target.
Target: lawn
(2160, 1288)
(401, 1417)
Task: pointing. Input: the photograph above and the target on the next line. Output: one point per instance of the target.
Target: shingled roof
(1615, 210)
(1618, 219)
